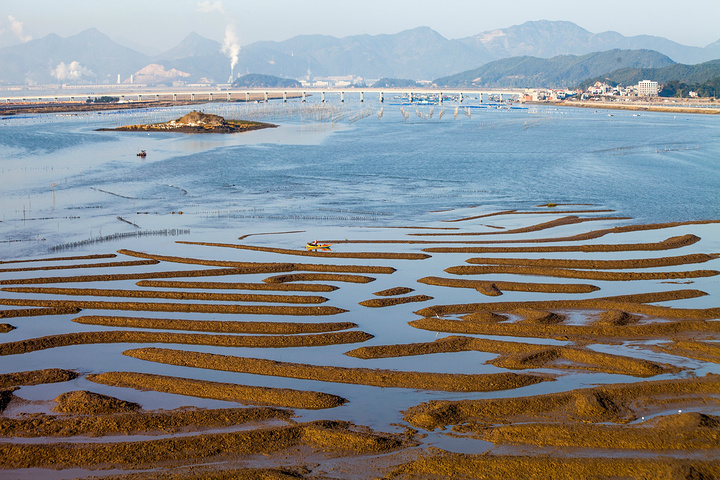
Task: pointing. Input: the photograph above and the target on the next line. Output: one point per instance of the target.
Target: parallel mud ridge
(323, 277)
(207, 473)
(272, 267)
(618, 404)
(60, 259)
(596, 264)
(227, 297)
(667, 244)
(570, 220)
(32, 312)
(179, 307)
(314, 253)
(91, 403)
(703, 351)
(359, 376)
(323, 435)
(581, 274)
(532, 212)
(244, 394)
(216, 272)
(594, 332)
(634, 303)
(390, 301)
(518, 356)
(491, 467)
(120, 336)
(391, 292)
(36, 377)
(511, 286)
(6, 327)
(133, 263)
(133, 423)
(277, 328)
(309, 287)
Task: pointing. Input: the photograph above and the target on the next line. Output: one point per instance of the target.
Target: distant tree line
(103, 99)
(677, 88)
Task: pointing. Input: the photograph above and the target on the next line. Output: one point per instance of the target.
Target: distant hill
(690, 74)
(255, 80)
(88, 57)
(548, 39)
(417, 54)
(556, 72)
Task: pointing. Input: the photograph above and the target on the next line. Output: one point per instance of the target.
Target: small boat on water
(142, 153)
(314, 245)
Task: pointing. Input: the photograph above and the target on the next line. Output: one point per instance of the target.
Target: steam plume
(231, 47)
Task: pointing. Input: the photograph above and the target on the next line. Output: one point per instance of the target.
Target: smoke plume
(71, 71)
(231, 46)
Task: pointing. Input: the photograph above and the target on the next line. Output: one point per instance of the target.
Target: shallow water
(342, 177)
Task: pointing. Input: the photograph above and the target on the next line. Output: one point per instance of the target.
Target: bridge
(247, 95)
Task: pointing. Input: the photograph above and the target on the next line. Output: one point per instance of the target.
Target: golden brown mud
(226, 297)
(518, 356)
(178, 307)
(133, 263)
(309, 287)
(390, 301)
(391, 292)
(119, 336)
(511, 286)
(277, 328)
(249, 395)
(491, 467)
(360, 376)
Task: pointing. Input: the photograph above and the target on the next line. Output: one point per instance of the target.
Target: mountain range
(91, 57)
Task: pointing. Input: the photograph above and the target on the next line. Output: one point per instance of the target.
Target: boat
(315, 245)
(142, 153)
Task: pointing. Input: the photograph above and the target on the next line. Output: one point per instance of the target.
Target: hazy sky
(152, 26)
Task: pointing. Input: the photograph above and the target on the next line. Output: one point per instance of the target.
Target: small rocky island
(196, 122)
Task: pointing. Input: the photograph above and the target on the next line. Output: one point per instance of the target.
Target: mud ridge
(277, 328)
(244, 394)
(121, 336)
(309, 287)
(580, 274)
(358, 376)
(228, 297)
(132, 263)
(179, 307)
(511, 286)
(390, 301)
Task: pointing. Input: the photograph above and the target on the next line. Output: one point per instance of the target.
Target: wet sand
(583, 342)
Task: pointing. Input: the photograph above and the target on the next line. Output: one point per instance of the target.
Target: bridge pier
(192, 97)
(228, 97)
(342, 97)
(322, 97)
(362, 97)
(381, 97)
(247, 97)
(157, 97)
(303, 97)
(410, 96)
(440, 98)
(210, 97)
(460, 98)
(266, 97)
(284, 97)
(174, 97)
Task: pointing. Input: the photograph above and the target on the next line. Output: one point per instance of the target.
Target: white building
(647, 88)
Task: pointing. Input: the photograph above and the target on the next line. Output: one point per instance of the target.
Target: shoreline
(636, 107)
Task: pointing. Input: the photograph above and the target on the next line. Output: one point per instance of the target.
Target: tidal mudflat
(574, 352)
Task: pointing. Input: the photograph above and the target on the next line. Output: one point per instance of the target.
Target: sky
(157, 25)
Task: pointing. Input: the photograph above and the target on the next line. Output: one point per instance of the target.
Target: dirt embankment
(359, 376)
(510, 286)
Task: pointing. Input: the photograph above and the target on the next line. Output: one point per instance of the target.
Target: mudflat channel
(586, 348)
